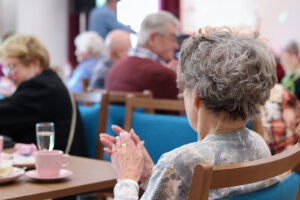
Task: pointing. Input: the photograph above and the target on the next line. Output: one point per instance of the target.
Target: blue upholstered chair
(98, 114)
(207, 177)
(285, 189)
(93, 116)
(161, 132)
(89, 116)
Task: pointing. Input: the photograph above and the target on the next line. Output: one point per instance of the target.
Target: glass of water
(45, 135)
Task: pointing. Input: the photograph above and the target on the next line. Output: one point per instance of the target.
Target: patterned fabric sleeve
(165, 183)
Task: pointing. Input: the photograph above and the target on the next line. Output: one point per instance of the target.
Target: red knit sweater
(137, 74)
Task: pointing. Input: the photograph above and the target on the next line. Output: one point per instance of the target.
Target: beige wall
(46, 19)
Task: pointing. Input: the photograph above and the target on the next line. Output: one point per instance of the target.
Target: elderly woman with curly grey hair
(225, 76)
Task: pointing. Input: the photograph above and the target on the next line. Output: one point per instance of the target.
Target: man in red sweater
(150, 66)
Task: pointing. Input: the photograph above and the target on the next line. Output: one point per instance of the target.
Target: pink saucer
(64, 173)
(16, 173)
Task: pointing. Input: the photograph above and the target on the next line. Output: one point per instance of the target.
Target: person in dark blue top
(104, 19)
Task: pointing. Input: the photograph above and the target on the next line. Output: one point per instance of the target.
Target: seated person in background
(116, 46)
(41, 96)
(222, 89)
(104, 19)
(291, 64)
(145, 67)
(88, 51)
(281, 119)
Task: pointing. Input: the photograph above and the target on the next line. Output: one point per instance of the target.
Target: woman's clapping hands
(115, 147)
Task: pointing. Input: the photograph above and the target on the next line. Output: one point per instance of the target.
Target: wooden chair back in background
(105, 98)
(161, 132)
(149, 104)
(89, 99)
(84, 84)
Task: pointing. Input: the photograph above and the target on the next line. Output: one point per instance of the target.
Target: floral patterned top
(171, 177)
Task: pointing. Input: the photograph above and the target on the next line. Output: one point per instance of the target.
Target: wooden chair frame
(207, 176)
(149, 104)
(102, 98)
(105, 98)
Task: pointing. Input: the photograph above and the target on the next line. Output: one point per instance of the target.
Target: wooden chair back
(106, 98)
(207, 176)
(120, 96)
(84, 84)
(150, 104)
(90, 99)
(162, 131)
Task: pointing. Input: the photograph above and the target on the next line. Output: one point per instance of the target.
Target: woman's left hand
(127, 157)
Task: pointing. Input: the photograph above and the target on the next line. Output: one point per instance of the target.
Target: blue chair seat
(162, 132)
(284, 190)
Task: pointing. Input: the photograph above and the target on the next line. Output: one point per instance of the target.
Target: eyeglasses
(170, 37)
(7, 70)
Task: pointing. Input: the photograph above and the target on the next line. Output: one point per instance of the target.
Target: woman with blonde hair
(40, 96)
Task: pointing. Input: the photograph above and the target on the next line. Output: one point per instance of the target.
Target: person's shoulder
(259, 143)
(188, 155)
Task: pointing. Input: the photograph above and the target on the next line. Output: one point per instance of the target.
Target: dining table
(88, 175)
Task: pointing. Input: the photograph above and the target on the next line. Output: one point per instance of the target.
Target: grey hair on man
(155, 22)
(89, 42)
(231, 72)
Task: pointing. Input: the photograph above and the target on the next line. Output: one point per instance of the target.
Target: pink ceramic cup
(1, 143)
(49, 163)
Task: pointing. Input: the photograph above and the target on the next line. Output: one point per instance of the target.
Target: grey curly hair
(231, 72)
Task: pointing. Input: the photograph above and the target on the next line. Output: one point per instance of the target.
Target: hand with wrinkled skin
(127, 157)
(108, 141)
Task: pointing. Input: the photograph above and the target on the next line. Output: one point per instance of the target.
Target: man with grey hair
(88, 51)
(116, 46)
(146, 67)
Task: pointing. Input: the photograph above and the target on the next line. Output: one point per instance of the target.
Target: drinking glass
(45, 135)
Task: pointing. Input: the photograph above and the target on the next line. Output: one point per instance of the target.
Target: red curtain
(73, 31)
(171, 6)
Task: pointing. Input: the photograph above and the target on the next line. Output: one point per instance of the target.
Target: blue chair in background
(93, 115)
(161, 132)
(98, 114)
(207, 176)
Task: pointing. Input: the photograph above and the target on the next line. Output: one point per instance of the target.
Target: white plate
(16, 173)
(19, 160)
(23, 161)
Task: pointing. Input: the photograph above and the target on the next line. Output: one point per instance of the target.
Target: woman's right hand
(108, 141)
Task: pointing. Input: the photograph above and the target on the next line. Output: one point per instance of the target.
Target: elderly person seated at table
(40, 96)
(89, 47)
(225, 76)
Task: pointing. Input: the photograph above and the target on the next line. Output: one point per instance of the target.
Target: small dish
(23, 161)
(4, 155)
(64, 173)
(16, 173)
